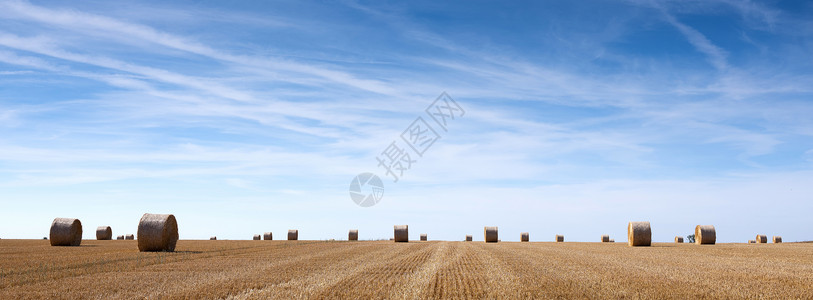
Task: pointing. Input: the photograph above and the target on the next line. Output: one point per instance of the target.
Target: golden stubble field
(415, 270)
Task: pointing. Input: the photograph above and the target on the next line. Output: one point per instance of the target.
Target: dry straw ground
(373, 269)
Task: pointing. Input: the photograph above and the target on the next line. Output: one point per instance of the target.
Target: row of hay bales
(105, 233)
(490, 235)
(156, 232)
(763, 239)
(638, 234)
(159, 232)
(293, 235)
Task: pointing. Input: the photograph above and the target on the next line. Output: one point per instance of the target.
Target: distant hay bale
(268, 236)
(752, 241)
(423, 237)
(401, 233)
(777, 239)
(157, 232)
(611, 241)
(639, 234)
(560, 238)
(705, 235)
(524, 237)
(469, 238)
(104, 233)
(761, 239)
(490, 234)
(353, 235)
(214, 238)
(605, 238)
(679, 239)
(129, 237)
(257, 237)
(66, 232)
(121, 237)
(293, 234)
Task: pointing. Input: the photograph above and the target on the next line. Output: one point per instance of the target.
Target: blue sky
(247, 117)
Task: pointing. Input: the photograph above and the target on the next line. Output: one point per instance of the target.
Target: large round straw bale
(761, 239)
(605, 238)
(752, 241)
(214, 238)
(524, 236)
(268, 236)
(423, 237)
(293, 234)
(679, 239)
(401, 234)
(66, 232)
(353, 235)
(490, 234)
(639, 234)
(469, 238)
(121, 237)
(129, 237)
(157, 232)
(257, 237)
(104, 233)
(777, 239)
(560, 238)
(705, 235)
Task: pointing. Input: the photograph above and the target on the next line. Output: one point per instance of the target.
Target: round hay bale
(268, 236)
(214, 238)
(752, 241)
(611, 241)
(401, 233)
(705, 235)
(129, 237)
(469, 238)
(423, 237)
(293, 234)
(761, 239)
(66, 232)
(104, 233)
(679, 239)
(157, 232)
(777, 239)
(257, 237)
(524, 237)
(560, 238)
(639, 234)
(605, 238)
(121, 237)
(490, 234)
(353, 235)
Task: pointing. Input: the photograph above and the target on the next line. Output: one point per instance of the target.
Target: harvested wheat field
(382, 269)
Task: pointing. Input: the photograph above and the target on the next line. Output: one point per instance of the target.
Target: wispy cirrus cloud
(103, 100)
